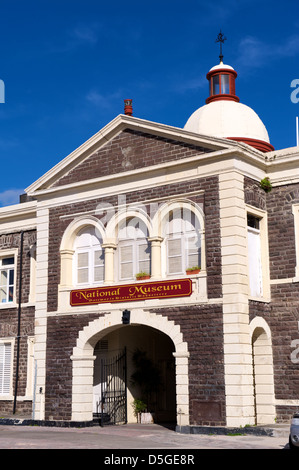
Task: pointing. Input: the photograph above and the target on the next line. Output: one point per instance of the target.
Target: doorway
(114, 389)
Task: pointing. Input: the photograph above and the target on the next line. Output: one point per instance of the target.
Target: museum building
(156, 264)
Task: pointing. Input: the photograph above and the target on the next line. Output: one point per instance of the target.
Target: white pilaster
(42, 244)
(237, 341)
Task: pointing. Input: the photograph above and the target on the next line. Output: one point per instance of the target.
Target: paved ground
(131, 436)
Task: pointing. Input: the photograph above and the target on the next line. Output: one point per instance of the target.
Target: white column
(109, 261)
(182, 387)
(82, 388)
(156, 257)
(237, 341)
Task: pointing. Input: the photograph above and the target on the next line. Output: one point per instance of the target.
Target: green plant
(266, 184)
(193, 268)
(139, 406)
(142, 274)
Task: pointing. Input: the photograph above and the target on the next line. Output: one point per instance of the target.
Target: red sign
(131, 292)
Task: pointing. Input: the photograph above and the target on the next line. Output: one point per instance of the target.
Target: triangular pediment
(126, 144)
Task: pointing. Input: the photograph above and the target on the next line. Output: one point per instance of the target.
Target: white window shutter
(5, 368)
(98, 265)
(255, 262)
(126, 262)
(174, 256)
(144, 258)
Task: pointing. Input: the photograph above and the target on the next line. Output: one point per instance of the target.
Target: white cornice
(18, 217)
(18, 210)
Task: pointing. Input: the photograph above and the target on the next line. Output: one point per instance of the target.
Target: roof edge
(117, 125)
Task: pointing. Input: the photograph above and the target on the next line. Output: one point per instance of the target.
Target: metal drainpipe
(19, 322)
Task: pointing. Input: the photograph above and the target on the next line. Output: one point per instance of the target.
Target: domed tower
(224, 116)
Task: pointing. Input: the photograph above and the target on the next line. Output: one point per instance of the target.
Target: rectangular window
(254, 256)
(144, 258)
(98, 266)
(7, 279)
(192, 252)
(174, 255)
(126, 262)
(5, 368)
(83, 267)
(134, 258)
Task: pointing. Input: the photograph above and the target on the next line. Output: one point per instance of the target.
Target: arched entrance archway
(142, 345)
(83, 359)
(263, 372)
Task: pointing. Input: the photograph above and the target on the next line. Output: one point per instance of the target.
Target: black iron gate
(114, 389)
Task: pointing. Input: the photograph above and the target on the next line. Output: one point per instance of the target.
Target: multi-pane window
(183, 241)
(5, 368)
(89, 257)
(134, 249)
(7, 279)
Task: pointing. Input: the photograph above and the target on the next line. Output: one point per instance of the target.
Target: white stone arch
(167, 207)
(127, 213)
(135, 214)
(162, 215)
(67, 244)
(83, 360)
(263, 374)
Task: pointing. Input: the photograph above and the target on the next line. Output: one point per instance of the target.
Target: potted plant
(148, 378)
(139, 407)
(193, 270)
(142, 276)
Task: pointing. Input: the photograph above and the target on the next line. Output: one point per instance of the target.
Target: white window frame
(32, 273)
(135, 257)
(9, 254)
(90, 251)
(140, 236)
(6, 393)
(184, 250)
(264, 244)
(255, 260)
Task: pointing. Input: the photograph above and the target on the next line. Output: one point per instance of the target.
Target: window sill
(8, 305)
(6, 397)
(11, 397)
(260, 299)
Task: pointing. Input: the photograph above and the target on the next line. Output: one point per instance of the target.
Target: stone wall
(210, 201)
(129, 150)
(282, 313)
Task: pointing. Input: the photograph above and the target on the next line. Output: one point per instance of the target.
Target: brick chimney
(128, 107)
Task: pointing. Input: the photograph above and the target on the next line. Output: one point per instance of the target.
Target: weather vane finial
(220, 39)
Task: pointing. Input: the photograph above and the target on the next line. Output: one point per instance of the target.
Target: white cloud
(255, 53)
(10, 196)
(85, 35)
(106, 101)
(185, 85)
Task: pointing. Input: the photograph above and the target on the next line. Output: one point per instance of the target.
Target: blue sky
(68, 65)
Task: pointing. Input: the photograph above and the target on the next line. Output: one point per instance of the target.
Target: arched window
(133, 249)
(183, 241)
(88, 257)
